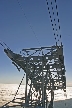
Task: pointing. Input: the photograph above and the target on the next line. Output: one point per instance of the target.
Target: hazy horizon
(68, 85)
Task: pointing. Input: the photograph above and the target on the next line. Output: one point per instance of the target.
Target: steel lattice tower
(44, 67)
(45, 71)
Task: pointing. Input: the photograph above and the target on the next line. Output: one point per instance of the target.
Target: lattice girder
(53, 63)
(45, 70)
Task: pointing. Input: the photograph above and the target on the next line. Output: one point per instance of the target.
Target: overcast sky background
(15, 31)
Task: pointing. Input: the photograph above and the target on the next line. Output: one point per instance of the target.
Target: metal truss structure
(45, 71)
(44, 67)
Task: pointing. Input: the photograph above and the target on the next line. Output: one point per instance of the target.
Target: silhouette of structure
(44, 68)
